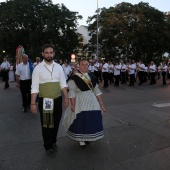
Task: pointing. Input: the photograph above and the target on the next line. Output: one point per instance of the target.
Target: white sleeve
(35, 81)
(71, 87)
(97, 91)
(62, 79)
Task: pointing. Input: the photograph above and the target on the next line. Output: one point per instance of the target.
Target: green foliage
(36, 22)
(131, 31)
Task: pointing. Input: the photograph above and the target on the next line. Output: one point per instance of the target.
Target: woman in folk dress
(83, 117)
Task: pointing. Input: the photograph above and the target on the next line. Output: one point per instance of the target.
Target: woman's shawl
(82, 82)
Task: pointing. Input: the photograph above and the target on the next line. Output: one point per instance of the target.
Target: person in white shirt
(5, 66)
(91, 67)
(145, 73)
(23, 78)
(168, 71)
(117, 68)
(110, 72)
(96, 69)
(164, 69)
(105, 68)
(100, 70)
(131, 70)
(38, 61)
(141, 68)
(123, 72)
(67, 70)
(152, 71)
(49, 81)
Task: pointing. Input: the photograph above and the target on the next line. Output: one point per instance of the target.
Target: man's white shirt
(23, 71)
(44, 73)
(5, 65)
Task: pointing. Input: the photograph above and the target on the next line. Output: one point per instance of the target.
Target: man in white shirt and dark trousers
(96, 70)
(152, 70)
(5, 66)
(67, 69)
(141, 68)
(49, 81)
(23, 78)
(123, 72)
(105, 68)
(117, 68)
(131, 70)
(164, 69)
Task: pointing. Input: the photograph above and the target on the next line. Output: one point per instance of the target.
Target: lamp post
(97, 52)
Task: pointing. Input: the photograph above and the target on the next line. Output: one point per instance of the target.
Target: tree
(131, 31)
(36, 22)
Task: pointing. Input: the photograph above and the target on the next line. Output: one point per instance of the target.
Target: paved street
(137, 133)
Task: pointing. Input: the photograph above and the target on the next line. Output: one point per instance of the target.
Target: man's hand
(18, 85)
(34, 108)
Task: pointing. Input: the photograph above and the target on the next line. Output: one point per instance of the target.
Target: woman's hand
(72, 108)
(102, 106)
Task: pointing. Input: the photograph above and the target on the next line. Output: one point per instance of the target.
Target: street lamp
(97, 52)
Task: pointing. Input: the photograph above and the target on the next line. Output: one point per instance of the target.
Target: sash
(49, 91)
(83, 82)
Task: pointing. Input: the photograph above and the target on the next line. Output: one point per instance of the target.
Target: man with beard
(49, 81)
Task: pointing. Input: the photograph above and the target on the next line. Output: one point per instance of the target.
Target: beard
(48, 59)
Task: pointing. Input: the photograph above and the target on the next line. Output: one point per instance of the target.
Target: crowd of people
(120, 72)
(46, 84)
(109, 72)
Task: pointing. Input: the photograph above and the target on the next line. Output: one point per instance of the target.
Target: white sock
(82, 143)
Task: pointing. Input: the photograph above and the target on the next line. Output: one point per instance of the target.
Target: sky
(88, 7)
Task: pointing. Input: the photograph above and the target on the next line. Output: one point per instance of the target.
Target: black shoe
(87, 142)
(55, 147)
(51, 152)
(24, 109)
